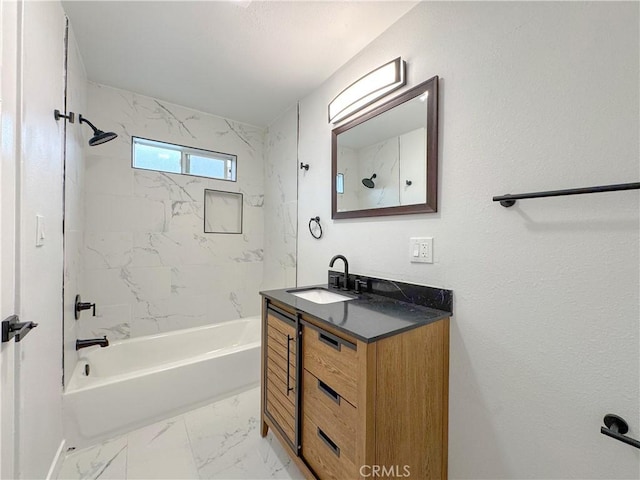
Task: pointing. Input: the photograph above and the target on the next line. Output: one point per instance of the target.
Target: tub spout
(103, 342)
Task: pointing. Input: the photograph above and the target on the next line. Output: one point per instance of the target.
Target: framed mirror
(385, 162)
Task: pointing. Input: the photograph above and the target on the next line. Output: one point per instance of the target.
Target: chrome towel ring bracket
(315, 228)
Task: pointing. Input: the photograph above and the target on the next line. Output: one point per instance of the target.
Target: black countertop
(369, 316)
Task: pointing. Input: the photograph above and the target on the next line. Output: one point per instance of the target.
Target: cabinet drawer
(332, 360)
(332, 413)
(324, 454)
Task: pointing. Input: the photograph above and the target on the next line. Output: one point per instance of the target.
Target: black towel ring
(315, 220)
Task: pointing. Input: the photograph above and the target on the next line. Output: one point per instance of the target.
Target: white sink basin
(320, 295)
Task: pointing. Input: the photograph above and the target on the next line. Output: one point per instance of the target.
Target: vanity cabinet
(373, 409)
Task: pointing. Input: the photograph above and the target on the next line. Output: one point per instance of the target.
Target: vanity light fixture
(368, 89)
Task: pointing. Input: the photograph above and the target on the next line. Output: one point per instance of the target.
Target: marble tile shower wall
(149, 266)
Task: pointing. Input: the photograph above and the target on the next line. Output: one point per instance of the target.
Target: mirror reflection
(381, 160)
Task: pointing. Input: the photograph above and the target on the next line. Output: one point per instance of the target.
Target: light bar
(368, 89)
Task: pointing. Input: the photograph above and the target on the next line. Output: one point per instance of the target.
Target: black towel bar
(616, 427)
(510, 200)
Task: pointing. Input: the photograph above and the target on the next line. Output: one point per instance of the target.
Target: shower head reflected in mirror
(99, 137)
(368, 182)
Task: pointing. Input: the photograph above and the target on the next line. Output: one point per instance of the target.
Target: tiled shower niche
(222, 212)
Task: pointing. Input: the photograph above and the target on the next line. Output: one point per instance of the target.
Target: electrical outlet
(421, 249)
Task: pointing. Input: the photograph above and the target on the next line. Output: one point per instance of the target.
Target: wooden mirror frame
(431, 203)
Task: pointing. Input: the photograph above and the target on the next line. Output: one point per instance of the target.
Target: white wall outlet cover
(421, 249)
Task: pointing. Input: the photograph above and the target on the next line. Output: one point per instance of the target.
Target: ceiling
(243, 60)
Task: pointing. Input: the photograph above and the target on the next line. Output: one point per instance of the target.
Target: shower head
(99, 137)
(368, 182)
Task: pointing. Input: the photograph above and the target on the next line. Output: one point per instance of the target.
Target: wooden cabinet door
(280, 374)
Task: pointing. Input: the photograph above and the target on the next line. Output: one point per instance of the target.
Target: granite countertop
(368, 317)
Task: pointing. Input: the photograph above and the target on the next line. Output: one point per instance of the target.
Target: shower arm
(81, 119)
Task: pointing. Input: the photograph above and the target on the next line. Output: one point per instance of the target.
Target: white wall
(9, 40)
(40, 172)
(148, 264)
(544, 339)
(280, 201)
(33, 50)
(76, 139)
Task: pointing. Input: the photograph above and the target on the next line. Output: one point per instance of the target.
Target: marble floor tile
(161, 450)
(218, 441)
(107, 460)
(226, 442)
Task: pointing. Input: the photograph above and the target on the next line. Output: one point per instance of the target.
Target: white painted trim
(56, 464)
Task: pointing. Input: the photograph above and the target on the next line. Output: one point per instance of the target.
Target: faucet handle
(359, 284)
(334, 281)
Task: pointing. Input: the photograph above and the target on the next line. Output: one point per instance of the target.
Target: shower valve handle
(87, 306)
(83, 306)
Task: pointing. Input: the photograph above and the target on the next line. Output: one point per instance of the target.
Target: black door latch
(12, 327)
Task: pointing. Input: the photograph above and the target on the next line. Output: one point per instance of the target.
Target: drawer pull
(289, 338)
(328, 391)
(328, 442)
(332, 342)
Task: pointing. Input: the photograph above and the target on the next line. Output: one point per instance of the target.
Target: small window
(167, 157)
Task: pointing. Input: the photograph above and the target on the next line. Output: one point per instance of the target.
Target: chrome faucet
(345, 284)
(103, 342)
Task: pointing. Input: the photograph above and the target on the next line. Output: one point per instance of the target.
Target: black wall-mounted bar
(57, 115)
(510, 200)
(616, 427)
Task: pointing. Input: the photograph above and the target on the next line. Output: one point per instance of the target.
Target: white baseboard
(54, 469)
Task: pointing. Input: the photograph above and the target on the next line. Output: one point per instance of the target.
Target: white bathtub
(139, 381)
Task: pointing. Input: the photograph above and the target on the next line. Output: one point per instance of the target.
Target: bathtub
(142, 380)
